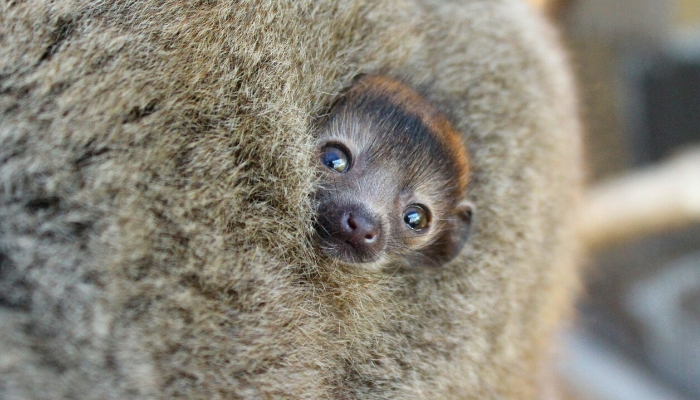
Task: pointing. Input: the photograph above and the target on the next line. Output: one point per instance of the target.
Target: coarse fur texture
(156, 201)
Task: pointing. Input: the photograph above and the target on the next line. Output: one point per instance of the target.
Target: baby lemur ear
(461, 223)
(453, 237)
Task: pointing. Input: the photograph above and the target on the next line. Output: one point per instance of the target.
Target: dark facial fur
(394, 175)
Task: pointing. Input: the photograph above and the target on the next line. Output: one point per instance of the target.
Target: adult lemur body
(159, 192)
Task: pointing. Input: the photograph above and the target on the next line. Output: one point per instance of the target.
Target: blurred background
(638, 68)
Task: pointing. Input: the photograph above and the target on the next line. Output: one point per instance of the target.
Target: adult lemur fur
(158, 171)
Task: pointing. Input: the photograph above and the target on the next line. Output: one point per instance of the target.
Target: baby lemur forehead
(393, 127)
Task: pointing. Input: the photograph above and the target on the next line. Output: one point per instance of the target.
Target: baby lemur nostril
(350, 222)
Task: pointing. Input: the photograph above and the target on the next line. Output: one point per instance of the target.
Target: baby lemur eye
(416, 217)
(335, 158)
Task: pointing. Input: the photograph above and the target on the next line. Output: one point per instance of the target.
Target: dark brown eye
(415, 217)
(335, 158)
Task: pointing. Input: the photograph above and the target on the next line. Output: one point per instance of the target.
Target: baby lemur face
(393, 179)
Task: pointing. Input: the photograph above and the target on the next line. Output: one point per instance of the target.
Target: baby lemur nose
(359, 228)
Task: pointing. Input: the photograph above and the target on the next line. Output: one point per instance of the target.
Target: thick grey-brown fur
(156, 180)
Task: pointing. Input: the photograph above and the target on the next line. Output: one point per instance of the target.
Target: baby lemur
(394, 177)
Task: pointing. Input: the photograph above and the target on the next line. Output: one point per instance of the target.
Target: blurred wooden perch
(651, 200)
